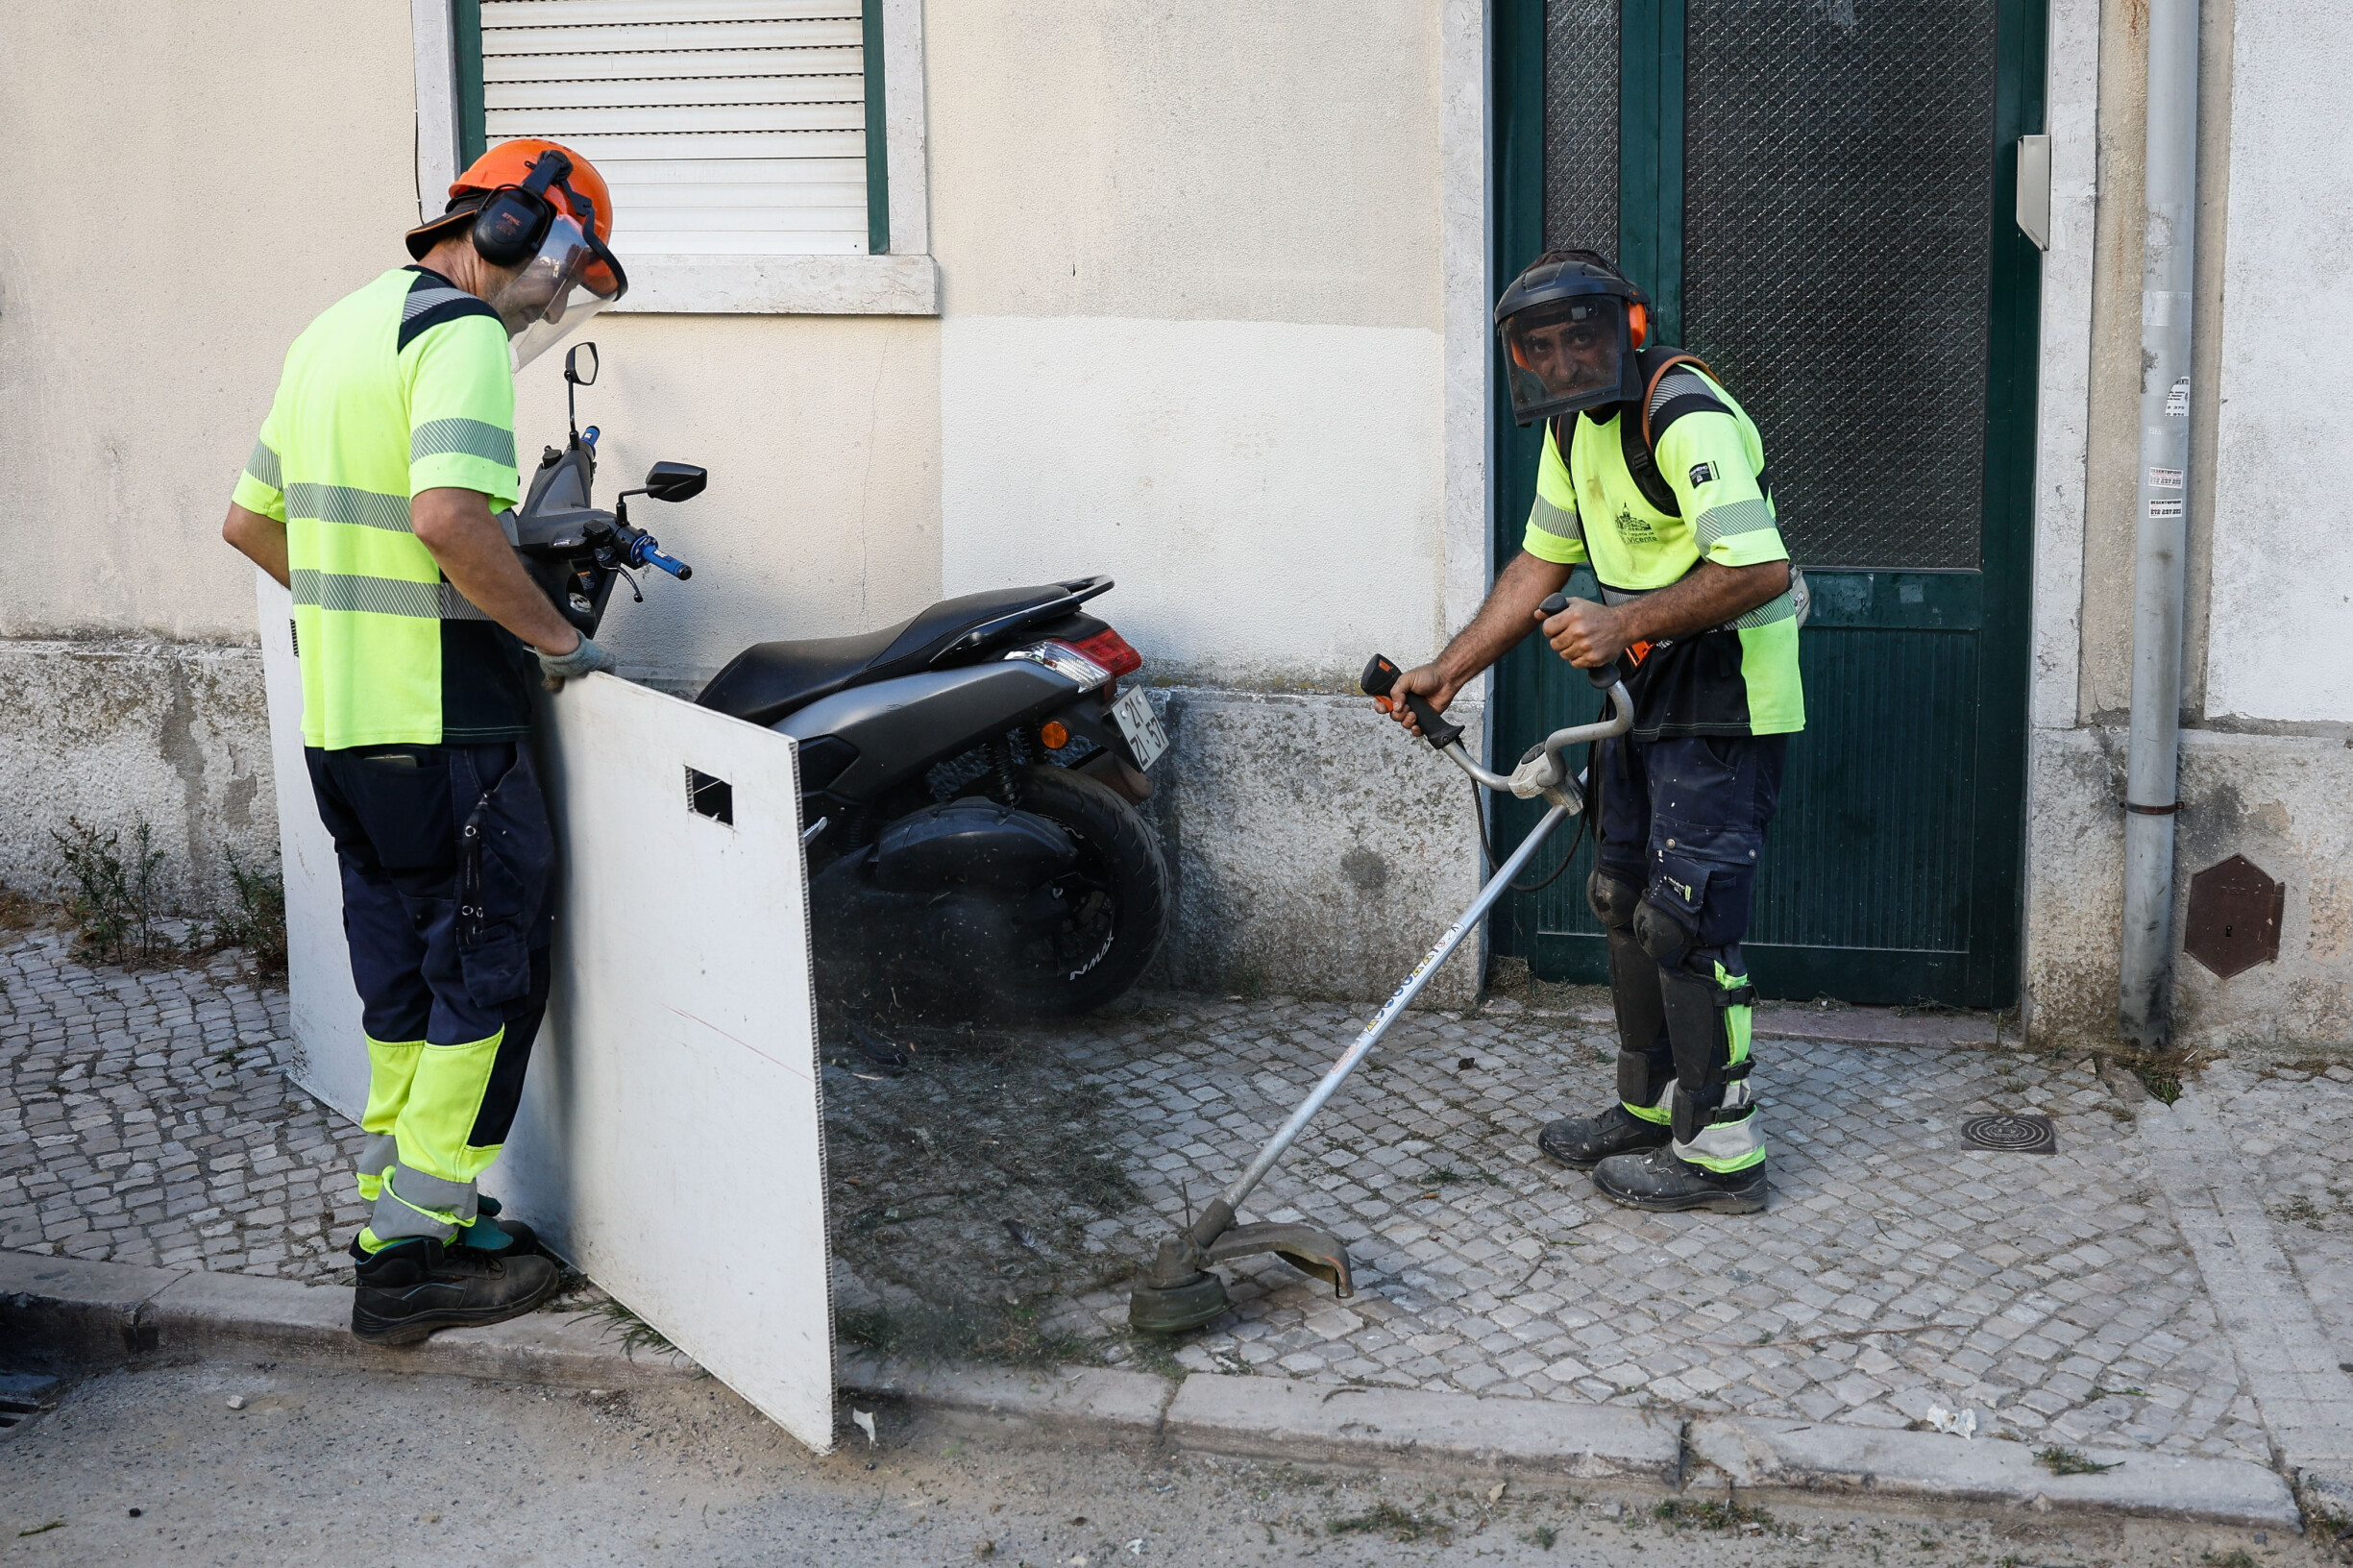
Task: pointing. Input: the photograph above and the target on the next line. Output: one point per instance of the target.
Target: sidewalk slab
(66, 1310)
(1077, 1402)
(1756, 1454)
(1353, 1423)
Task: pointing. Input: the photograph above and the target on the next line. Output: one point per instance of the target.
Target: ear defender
(1639, 321)
(512, 223)
(1519, 354)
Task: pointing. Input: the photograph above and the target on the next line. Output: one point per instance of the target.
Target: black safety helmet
(1570, 325)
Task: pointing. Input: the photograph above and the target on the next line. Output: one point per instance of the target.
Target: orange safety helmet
(509, 163)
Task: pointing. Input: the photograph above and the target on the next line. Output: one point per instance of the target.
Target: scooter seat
(769, 681)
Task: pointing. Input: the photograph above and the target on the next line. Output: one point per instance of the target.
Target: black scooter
(968, 777)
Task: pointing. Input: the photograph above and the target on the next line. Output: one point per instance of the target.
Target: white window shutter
(724, 127)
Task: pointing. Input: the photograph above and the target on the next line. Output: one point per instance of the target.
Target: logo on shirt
(1701, 473)
(1635, 528)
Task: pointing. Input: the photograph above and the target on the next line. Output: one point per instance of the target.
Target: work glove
(1535, 774)
(584, 660)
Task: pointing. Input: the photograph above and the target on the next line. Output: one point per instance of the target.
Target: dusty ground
(135, 1468)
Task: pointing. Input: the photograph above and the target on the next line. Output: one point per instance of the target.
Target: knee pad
(1615, 901)
(1663, 933)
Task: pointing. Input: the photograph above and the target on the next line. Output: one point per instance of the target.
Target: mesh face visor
(1566, 355)
(570, 278)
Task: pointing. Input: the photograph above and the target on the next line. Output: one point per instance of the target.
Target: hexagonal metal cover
(2234, 918)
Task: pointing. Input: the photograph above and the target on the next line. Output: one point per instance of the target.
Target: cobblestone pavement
(2284, 1115)
(145, 1120)
(1896, 1269)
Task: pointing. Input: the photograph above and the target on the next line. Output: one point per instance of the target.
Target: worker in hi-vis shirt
(372, 494)
(1653, 476)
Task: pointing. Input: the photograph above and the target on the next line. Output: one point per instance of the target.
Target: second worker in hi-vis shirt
(1654, 476)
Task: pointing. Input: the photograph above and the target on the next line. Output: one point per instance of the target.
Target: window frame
(899, 278)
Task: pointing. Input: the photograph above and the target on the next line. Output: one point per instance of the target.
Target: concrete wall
(2267, 699)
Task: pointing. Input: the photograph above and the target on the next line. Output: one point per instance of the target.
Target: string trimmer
(1177, 1290)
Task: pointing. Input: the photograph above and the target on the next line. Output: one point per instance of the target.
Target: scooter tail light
(1111, 650)
(1067, 661)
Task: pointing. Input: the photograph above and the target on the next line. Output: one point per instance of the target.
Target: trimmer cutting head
(1179, 1292)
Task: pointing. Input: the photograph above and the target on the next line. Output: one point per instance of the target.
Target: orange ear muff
(1519, 354)
(1638, 318)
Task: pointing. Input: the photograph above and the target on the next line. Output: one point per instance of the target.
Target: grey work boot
(1582, 1142)
(1655, 1179)
(409, 1288)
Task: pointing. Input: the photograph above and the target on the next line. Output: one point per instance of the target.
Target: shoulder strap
(1655, 371)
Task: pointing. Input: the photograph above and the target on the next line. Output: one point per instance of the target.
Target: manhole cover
(2012, 1134)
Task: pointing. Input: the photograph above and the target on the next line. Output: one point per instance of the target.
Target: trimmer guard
(1305, 1248)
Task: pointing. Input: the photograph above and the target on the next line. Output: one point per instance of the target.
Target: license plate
(1132, 714)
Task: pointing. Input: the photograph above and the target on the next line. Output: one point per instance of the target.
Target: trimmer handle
(1603, 675)
(1379, 678)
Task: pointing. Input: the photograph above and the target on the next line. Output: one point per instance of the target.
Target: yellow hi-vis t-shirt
(401, 388)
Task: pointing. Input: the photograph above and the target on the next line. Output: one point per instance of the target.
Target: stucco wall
(1197, 265)
(2281, 642)
(2267, 699)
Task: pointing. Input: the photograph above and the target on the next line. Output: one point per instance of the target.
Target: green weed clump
(116, 897)
(2069, 1461)
(258, 921)
(1396, 1523)
(1712, 1515)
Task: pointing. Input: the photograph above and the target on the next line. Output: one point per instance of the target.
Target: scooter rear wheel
(1116, 900)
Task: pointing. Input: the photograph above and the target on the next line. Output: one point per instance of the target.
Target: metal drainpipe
(2169, 241)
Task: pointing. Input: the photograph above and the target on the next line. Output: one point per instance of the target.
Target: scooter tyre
(1124, 852)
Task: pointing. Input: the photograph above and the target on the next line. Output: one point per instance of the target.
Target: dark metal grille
(1838, 190)
(1580, 127)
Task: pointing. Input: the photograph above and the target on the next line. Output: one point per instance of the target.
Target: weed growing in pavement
(259, 922)
(18, 913)
(1543, 1535)
(1445, 1174)
(2069, 1461)
(116, 899)
(1396, 1523)
(2238, 1556)
(1711, 1515)
(634, 1331)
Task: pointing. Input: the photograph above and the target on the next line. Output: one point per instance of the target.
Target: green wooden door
(1817, 193)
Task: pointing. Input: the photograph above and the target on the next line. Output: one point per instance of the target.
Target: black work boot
(1655, 1179)
(1582, 1142)
(409, 1288)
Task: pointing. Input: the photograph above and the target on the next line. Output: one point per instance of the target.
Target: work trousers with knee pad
(1681, 825)
(446, 856)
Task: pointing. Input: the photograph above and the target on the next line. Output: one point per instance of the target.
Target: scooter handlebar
(676, 569)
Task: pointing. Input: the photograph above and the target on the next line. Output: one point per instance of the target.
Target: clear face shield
(570, 279)
(1568, 355)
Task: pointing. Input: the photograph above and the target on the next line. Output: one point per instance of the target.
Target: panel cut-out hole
(709, 796)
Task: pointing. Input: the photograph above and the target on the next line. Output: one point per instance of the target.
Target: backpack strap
(1655, 371)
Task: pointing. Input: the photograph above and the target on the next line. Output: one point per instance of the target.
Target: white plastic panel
(670, 1140)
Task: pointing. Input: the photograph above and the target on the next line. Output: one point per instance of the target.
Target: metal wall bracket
(2034, 189)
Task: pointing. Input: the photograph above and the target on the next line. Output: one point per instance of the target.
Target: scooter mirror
(580, 365)
(675, 481)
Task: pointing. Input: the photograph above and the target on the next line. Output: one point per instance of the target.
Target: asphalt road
(391, 1472)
